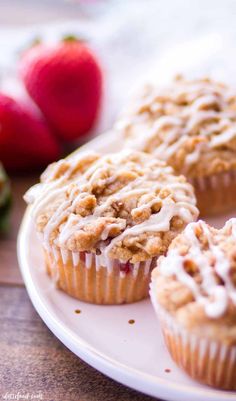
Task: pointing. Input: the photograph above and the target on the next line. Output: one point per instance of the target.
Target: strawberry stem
(36, 41)
(73, 39)
(70, 38)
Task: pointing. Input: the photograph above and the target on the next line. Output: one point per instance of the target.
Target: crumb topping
(200, 271)
(191, 124)
(128, 205)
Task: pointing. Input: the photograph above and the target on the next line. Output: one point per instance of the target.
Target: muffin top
(129, 205)
(191, 124)
(196, 280)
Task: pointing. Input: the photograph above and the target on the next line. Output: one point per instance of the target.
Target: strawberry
(25, 139)
(65, 81)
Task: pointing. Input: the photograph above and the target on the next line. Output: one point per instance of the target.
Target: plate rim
(131, 377)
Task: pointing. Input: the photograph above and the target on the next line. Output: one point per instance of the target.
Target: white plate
(134, 355)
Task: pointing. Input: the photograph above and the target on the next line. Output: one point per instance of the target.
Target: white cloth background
(135, 40)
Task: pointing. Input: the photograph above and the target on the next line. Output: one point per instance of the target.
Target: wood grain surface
(33, 363)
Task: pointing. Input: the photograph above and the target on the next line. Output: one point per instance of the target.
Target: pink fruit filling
(125, 267)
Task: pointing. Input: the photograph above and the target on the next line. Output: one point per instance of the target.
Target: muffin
(193, 291)
(190, 124)
(104, 220)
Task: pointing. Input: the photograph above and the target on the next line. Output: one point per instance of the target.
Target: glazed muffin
(104, 220)
(191, 124)
(193, 291)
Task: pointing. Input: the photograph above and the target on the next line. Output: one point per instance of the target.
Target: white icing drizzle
(209, 292)
(154, 176)
(168, 123)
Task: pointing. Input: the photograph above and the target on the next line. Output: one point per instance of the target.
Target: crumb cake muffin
(104, 220)
(191, 124)
(193, 291)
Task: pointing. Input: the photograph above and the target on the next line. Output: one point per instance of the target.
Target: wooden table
(32, 361)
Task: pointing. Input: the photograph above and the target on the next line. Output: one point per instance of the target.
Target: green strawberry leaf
(5, 200)
(4, 216)
(70, 38)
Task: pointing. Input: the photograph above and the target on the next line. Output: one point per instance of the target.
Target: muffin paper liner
(98, 279)
(207, 361)
(215, 193)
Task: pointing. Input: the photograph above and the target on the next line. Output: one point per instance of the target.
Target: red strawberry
(65, 81)
(25, 139)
